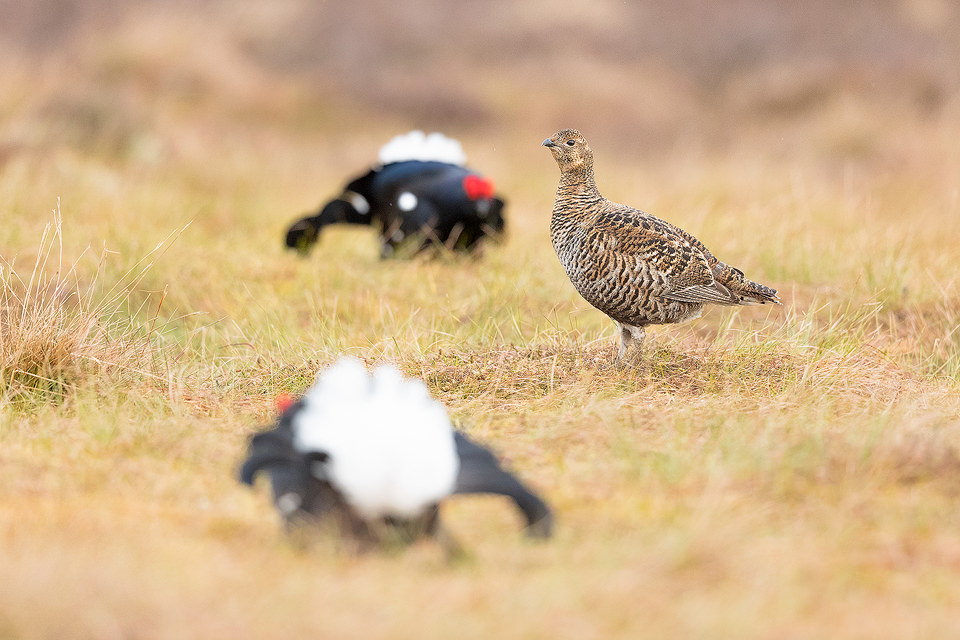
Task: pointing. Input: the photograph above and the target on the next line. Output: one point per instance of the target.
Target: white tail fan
(390, 445)
(418, 146)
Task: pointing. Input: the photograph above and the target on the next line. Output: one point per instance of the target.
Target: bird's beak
(548, 143)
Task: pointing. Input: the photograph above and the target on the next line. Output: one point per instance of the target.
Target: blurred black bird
(374, 456)
(419, 195)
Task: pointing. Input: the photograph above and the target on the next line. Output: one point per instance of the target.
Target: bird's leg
(625, 339)
(638, 337)
(630, 335)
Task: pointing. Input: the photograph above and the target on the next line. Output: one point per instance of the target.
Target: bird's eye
(570, 143)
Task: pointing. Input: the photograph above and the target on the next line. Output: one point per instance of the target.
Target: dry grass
(60, 330)
(763, 473)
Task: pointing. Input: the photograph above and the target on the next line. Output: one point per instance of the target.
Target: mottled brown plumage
(634, 267)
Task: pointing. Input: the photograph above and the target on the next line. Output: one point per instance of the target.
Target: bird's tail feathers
(748, 291)
(416, 145)
(749, 301)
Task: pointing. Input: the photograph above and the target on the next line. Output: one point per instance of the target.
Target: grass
(62, 330)
(785, 472)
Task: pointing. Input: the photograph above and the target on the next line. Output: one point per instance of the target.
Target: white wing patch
(419, 146)
(407, 201)
(390, 445)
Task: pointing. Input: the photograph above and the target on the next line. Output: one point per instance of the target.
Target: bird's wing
(635, 241)
(383, 182)
(716, 293)
(481, 473)
(730, 286)
(694, 242)
(268, 450)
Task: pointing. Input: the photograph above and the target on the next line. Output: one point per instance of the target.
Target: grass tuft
(59, 331)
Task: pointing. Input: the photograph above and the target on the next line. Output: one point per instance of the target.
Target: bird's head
(302, 235)
(350, 207)
(569, 149)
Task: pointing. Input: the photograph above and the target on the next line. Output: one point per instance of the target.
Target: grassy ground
(788, 472)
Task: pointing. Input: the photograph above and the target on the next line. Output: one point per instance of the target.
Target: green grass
(763, 472)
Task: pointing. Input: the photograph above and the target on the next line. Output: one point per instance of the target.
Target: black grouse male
(419, 195)
(374, 456)
(634, 267)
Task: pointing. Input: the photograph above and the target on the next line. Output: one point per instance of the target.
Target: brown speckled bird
(632, 266)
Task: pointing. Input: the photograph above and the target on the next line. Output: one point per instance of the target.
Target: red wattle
(283, 401)
(477, 187)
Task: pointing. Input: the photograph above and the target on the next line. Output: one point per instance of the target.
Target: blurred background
(649, 76)
(778, 132)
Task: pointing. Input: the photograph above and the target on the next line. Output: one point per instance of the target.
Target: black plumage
(415, 204)
(305, 497)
